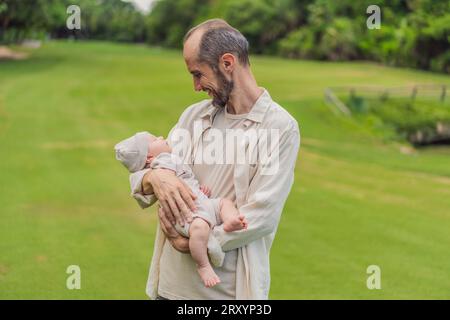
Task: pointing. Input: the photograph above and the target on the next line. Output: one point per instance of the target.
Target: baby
(143, 150)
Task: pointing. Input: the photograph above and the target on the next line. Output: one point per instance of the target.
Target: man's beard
(222, 95)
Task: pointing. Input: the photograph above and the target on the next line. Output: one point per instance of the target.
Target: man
(217, 57)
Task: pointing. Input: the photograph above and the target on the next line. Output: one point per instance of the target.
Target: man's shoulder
(279, 117)
(194, 111)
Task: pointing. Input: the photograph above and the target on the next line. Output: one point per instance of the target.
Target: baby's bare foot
(209, 277)
(236, 223)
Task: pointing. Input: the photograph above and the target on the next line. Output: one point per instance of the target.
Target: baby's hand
(205, 191)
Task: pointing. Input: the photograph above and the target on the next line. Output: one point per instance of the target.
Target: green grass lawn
(357, 201)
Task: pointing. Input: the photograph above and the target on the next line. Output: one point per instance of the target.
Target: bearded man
(216, 55)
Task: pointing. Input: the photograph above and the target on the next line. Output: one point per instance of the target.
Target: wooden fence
(424, 91)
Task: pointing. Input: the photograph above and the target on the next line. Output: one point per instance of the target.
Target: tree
(170, 19)
(28, 18)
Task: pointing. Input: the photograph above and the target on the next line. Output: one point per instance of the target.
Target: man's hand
(179, 242)
(175, 197)
(206, 191)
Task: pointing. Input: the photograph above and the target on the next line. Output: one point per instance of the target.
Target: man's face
(214, 82)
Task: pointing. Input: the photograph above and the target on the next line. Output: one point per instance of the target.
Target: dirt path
(8, 54)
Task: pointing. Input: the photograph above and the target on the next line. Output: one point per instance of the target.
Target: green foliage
(3, 7)
(391, 45)
(113, 20)
(299, 44)
(411, 117)
(262, 21)
(357, 103)
(441, 63)
(170, 20)
(338, 41)
(414, 33)
(407, 117)
(28, 18)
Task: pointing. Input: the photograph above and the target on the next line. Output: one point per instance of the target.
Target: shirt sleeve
(266, 197)
(165, 161)
(137, 193)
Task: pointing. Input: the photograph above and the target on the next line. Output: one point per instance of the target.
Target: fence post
(414, 93)
(331, 97)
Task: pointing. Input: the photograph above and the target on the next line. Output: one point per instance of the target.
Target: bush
(417, 121)
(171, 19)
(392, 45)
(262, 22)
(441, 63)
(298, 44)
(338, 41)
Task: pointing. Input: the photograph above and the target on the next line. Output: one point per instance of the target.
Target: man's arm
(147, 187)
(267, 195)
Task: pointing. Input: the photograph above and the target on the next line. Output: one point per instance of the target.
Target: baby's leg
(232, 219)
(198, 241)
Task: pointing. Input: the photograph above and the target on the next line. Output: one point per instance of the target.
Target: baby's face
(156, 146)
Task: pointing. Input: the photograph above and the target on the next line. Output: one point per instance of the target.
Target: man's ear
(228, 62)
(149, 159)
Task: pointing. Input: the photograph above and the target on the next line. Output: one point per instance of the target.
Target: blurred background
(372, 183)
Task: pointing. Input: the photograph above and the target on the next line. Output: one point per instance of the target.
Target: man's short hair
(219, 38)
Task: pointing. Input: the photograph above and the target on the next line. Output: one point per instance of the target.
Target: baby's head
(138, 151)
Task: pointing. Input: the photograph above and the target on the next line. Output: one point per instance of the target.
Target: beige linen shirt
(259, 196)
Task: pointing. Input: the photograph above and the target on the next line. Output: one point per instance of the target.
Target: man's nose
(197, 86)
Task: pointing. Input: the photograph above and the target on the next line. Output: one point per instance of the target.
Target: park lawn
(357, 201)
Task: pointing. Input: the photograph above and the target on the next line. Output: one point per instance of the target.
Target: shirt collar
(256, 113)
